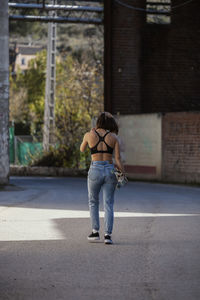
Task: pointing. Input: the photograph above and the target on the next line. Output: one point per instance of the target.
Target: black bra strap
(106, 134)
(101, 138)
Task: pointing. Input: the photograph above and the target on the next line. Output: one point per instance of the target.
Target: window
(158, 11)
(23, 61)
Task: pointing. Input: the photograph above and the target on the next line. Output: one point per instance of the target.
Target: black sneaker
(93, 236)
(107, 239)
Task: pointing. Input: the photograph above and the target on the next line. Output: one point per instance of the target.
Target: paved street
(44, 253)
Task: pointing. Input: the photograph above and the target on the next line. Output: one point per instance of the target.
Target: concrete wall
(140, 137)
(161, 146)
(4, 92)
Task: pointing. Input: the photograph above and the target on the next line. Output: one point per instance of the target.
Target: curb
(45, 171)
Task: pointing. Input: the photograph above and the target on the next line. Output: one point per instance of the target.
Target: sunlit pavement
(44, 252)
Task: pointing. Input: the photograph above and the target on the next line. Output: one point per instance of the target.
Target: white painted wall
(18, 62)
(141, 143)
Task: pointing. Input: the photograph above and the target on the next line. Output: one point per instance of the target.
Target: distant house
(20, 55)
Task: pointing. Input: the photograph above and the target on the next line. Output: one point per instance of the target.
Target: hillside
(76, 39)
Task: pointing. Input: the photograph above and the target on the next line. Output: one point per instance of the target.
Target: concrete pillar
(4, 93)
(122, 61)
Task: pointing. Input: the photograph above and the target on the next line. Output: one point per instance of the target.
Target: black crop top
(94, 149)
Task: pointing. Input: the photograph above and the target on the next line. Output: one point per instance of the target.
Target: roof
(28, 50)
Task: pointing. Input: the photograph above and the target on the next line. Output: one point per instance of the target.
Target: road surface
(45, 255)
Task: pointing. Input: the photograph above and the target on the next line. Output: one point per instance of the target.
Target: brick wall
(125, 37)
(152, 68)
(161, 146)
(171, 62)
(181, 147)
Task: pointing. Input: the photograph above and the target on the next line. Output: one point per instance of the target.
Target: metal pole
(4, 93)
(49, 114)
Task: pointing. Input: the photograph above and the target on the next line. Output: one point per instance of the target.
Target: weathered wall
(170, 62)
(181, 147)
(151, 68)
(123, 29)
(4, 92)
(141, 145)
(161, 146)
(27, 59)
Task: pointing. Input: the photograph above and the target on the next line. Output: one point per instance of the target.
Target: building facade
(21, 55)
(152, 67)
(152, 85)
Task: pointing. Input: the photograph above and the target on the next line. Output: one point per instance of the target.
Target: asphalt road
(44, 252)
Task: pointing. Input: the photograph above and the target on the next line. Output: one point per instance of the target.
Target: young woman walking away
(102, 140)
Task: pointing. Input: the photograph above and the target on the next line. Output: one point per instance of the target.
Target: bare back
(93, 139)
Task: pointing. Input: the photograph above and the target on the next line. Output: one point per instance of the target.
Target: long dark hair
(106, 121)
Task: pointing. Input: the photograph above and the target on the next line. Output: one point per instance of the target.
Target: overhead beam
(97, 21)
(158, 12)
(159, 3)
(89, 1)
(56, 7)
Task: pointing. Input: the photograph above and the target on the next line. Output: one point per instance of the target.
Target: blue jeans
(101, 175)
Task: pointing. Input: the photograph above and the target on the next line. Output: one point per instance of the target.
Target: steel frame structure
(72, 13)
(75, 14)
(56, 7)
(49, 108)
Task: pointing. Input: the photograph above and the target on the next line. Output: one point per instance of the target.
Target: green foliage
(25, 29)
(19, 30)
(79, 98)
(27, 92)
(79, 87)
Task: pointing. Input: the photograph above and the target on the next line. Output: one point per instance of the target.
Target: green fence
(22, 151)
(26, 151)
(11, 145)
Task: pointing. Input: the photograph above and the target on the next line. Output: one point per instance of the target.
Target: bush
(79, 98)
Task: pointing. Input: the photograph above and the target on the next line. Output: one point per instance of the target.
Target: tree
(79, 97)
(27, 91)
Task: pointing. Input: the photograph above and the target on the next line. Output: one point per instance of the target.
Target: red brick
(181, 147)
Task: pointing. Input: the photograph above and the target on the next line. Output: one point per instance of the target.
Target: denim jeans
(101, 175)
